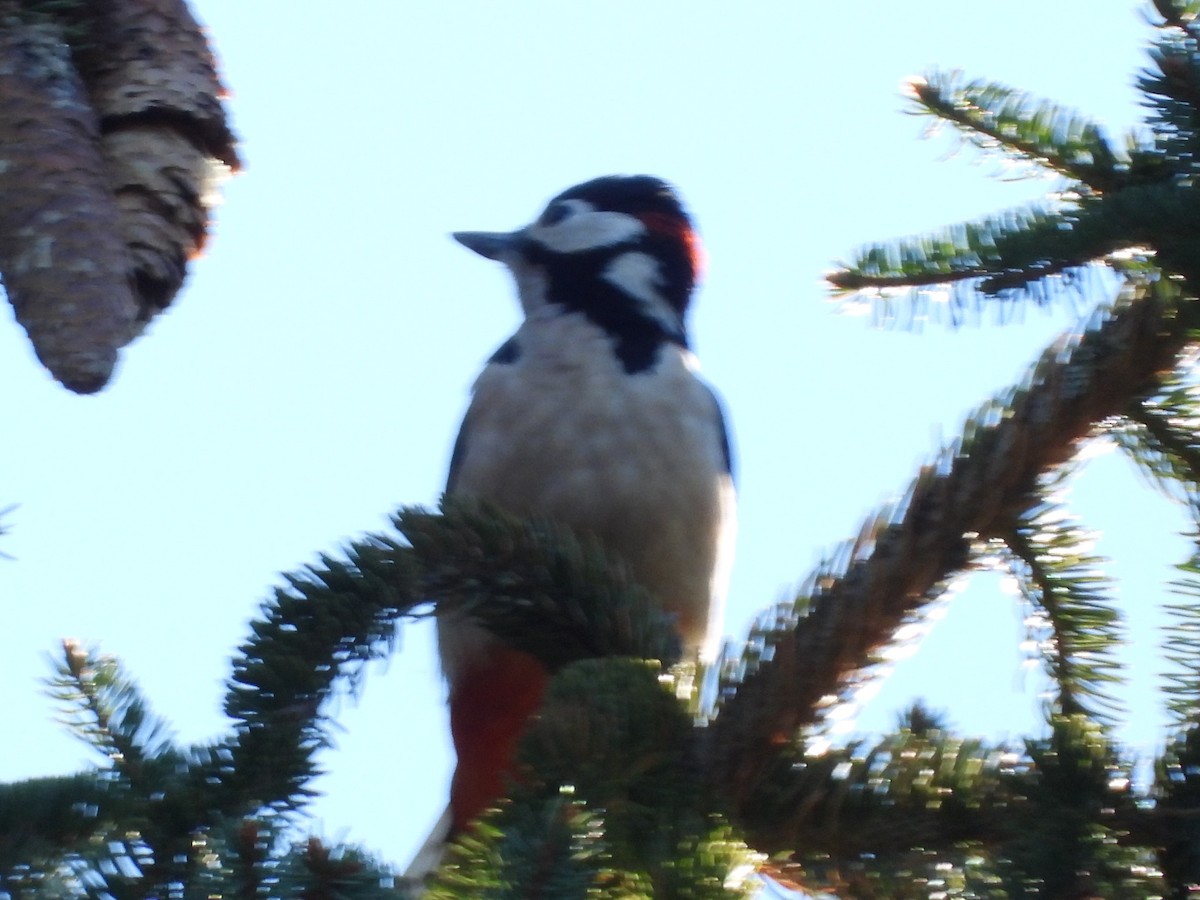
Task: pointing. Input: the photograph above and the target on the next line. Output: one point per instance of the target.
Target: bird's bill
(491, 244)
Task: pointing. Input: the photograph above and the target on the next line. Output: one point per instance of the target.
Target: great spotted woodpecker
(591, 414)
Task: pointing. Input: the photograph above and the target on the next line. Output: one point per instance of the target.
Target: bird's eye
(556, 212)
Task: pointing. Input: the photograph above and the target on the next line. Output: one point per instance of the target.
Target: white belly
(636, 460)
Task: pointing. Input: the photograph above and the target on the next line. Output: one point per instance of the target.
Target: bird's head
(619, 249)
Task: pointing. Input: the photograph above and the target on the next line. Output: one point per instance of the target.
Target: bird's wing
(723, 428)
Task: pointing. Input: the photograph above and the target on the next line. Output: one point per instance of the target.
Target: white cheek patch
(639, 276)
(587, 230)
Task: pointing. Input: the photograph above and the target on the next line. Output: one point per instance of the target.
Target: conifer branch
(323, 626)
(1177, 795)
(976, 491)
(1057, 810)
(1177, 13)
(536, 584)
(41, 818)
(905, 791)
(533, 583)
(154, 783)
(607, 801)
(1007, 253)
(1118, 201)
(1074, 810)
(338, 872)
(994, 117)
(1068, 586)
(1182, 635)
(1161, 438)
(107, 711)
(1000, 256)
(968, 251)
(1173, 86)
(248, 862)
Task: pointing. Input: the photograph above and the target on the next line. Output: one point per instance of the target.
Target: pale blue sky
(311, 376)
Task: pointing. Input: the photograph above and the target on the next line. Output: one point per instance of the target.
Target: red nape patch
(678, 229)
(489, 707)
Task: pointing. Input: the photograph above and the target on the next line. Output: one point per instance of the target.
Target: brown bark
(153, 82)
(150, 60)
(109, 155)
(65, 269)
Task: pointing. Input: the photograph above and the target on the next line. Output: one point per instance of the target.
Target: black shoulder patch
(638, 352)
(508, 353)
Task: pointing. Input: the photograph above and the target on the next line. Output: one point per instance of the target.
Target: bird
(593, 415)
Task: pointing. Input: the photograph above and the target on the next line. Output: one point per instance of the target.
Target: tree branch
(900, 563)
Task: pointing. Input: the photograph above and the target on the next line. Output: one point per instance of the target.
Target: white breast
(636, 460)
